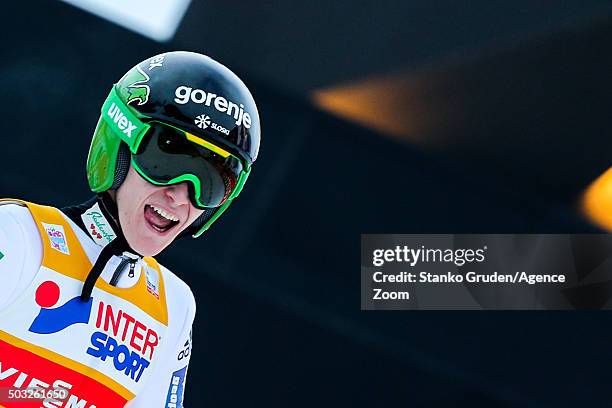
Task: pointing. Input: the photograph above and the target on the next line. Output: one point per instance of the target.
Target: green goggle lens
(167, 155)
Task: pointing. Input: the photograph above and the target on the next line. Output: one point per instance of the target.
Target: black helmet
(178, 117)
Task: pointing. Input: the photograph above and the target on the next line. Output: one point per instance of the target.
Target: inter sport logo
(202, 121)
(128, 342)
(52, 320)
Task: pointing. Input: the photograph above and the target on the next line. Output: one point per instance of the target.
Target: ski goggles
(164, 155)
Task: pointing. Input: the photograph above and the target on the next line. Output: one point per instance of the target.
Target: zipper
(119, 270)
(132, 265)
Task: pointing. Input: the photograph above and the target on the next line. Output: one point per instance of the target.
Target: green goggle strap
(124, 123)
(244, 175)
(212, 219)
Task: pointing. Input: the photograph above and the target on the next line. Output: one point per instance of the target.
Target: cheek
(127, 213)
(130, 208)
(131, 196)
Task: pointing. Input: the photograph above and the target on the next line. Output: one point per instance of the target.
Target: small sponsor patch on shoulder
(152, 281)
(185, 350)
(57, 237)
(176, 390)
(97, 225)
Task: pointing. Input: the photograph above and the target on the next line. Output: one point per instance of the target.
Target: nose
(178, 194)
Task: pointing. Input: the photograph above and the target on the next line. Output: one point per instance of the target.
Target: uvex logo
(122, 122)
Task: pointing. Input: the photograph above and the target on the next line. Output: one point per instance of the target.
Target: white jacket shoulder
(14, 215)
(21, 249)
(170, 372)
(179, 296)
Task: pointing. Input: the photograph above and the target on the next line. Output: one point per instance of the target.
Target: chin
(149, 252)
(148, 247)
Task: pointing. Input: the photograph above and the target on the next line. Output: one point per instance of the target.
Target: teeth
(164, 214)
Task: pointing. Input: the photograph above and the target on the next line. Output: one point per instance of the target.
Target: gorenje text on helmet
(185, 93)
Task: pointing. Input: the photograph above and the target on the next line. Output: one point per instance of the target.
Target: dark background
(515, 98)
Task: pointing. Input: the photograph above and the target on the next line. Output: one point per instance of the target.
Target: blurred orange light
(390, 104)
(597, 201)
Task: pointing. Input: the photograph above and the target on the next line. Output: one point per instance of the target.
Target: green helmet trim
(102, 158)
(118, 122)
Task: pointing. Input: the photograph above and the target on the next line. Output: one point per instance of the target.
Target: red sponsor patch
(21, 368)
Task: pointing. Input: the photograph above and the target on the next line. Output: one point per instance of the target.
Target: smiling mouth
(159, 219)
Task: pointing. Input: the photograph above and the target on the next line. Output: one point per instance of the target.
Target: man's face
(152, 216)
